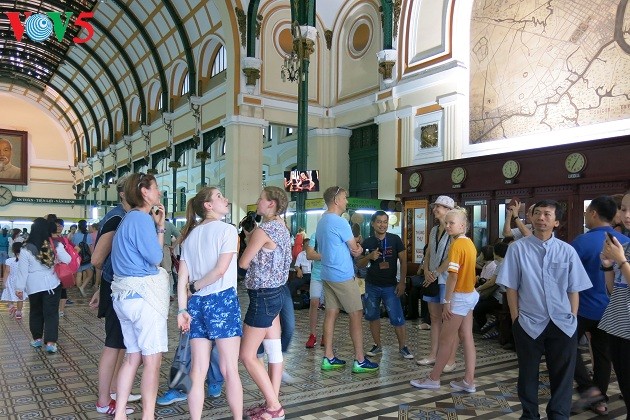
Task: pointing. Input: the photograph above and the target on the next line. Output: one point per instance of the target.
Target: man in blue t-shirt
(597, 218)
(337, 247)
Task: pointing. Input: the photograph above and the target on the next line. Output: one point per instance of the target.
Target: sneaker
(37, 343)
(214, 390)
(69, 302)
(449, 368)
(491, 323)
(131, 398)
(463, 386)
(426, 383)
(424, 326)
(111, 409)
(172, 396)
(404, 352)
(61, 314)
(364, 366)
(311, 341)
(375, 351)
(426, 361)
(51, 348)
(287, 379)
(332, 364)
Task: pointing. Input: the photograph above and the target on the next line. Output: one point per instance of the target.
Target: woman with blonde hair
(207, 269)
(460, 300)
(141, 291)
(267, 260)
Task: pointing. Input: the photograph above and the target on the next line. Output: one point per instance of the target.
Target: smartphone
(610, 237)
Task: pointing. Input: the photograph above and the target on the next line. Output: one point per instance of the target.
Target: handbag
(432, 290)
(65, 272)
(179, 377)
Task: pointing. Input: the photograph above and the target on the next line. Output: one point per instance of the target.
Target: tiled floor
(34, 384)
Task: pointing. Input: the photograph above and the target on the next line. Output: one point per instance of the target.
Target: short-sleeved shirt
(462, 259)
(110, 223)
(333, 232)
(616, 318)
(390, 247)
(79, 237)
(270, 267)
(304, 263)
(543, 272)
(594, 301)
(201, 251)
(316, 268)
(136, 251)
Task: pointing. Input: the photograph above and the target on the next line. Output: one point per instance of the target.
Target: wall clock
(415, 179)
(575, 162)
(5, 196)
(511, 168)
(458, 175)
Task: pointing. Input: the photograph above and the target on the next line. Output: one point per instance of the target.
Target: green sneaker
(364, 367)
(332, 364)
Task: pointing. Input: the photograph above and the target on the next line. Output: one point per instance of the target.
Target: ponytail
(191, 220)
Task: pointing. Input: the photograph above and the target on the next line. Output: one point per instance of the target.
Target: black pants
(560, 352)
(43, 320)
(619, 351)
(297, 282)
(601, 358)
(483, 308)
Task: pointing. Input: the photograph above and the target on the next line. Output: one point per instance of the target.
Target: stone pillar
(390, 141)
(453, 134)
(328, 152)
(243, 162)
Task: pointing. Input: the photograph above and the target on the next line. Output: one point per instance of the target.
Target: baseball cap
(445, 201)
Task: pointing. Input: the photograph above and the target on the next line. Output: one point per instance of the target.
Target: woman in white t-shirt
(207, 269)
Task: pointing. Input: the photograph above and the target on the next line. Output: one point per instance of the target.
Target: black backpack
(84, 251)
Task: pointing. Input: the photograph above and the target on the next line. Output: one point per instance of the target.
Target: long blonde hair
(195, 208)
(279, 196)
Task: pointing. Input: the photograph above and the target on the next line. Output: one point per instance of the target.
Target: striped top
(616, 319)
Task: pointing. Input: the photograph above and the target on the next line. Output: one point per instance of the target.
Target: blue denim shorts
(374, 295)
(436, 299)
(264, 306)
(217, 315)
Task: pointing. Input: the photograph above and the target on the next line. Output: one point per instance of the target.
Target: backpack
(66, 272)
(84, 251)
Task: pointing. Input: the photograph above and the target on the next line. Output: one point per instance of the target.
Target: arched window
(220, 62)
(186, 84)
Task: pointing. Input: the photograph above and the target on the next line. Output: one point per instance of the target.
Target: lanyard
(384, 246)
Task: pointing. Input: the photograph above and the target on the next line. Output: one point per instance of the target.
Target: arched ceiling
(111, 54)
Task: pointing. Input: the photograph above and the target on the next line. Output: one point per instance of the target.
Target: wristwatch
(191, 287)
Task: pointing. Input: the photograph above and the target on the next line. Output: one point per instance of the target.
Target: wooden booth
(572, 174)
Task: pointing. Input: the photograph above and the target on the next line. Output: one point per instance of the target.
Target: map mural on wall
(543, 65)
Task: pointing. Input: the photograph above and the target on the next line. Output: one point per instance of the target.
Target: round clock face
(393, 219)
(575, 162)
(511, 168)
(458, 175)
(5, 196)
(415, 179)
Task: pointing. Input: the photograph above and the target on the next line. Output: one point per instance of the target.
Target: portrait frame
(19, 156)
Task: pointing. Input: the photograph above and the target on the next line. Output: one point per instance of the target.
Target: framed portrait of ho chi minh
(13, 157)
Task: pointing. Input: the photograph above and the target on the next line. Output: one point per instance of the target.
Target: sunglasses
(142, 175)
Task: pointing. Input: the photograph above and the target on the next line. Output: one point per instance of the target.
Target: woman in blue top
(267, 258)
(84, 275)
(141, 291)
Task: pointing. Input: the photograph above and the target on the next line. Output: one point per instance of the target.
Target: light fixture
(291, 68)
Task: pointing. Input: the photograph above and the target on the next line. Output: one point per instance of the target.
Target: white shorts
(316, 290)
(144, 329)
(463, 303)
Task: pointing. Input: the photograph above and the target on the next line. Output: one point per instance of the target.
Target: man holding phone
(597, 218)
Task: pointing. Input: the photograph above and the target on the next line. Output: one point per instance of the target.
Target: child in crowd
(8, 294)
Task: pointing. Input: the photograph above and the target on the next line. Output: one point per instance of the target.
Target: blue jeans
(387, 294)
(287, 321)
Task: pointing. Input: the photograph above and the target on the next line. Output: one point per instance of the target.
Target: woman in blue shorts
(267, 260)
(207, 269)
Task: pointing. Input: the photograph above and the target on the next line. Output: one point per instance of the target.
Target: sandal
(587, 399)
(275, 414)
(490, 334)
(600, 408)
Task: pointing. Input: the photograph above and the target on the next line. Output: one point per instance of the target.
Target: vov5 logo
(39, 26)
